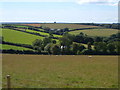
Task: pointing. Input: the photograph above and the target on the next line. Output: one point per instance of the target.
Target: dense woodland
(68, 44)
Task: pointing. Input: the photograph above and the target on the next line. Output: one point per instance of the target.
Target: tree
(37, 42)
(117, 46)
(55, 49)
(89, 46)
(81, 47)
(66, 29)
(65, 41)
(54, 41)
(48, 48)
(100, 47)
(46, 40)
(98, 39)
(111, 47)
(37, 45)
(88, 39)
(79, 39)
(75, 47)
(81, 34)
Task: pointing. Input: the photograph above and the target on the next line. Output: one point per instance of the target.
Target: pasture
(96, 32)
(18, 37)
(45, 71)
(61, 25)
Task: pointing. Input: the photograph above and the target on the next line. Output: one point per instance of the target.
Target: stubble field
(45, 71)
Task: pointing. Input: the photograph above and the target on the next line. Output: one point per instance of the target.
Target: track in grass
(45, 71)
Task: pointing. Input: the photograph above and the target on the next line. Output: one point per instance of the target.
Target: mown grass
(45, 71)
(18, 37)
(96, 32)
(61, 25)
(7, 47)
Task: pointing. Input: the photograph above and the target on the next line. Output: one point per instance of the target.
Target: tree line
(75, 45)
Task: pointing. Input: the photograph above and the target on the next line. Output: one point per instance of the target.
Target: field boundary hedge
(17, 44)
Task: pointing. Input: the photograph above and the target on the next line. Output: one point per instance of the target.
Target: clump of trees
(74, 45)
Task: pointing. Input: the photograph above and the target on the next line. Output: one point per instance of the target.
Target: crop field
(45, 71)
(61, 26)
(96, 32)
(19, 37)
(7, 47)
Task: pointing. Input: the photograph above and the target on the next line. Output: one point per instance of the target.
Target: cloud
(100, 2)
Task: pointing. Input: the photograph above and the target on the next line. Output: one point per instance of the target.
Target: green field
(18, 37)
(51, 71)
(96, 32)
(42, 33)
(7, 47)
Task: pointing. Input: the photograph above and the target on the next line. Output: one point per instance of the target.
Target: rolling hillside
(27, 36)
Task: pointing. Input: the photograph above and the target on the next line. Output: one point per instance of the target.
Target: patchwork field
(45, 71)
(61, 25)
(96, 32)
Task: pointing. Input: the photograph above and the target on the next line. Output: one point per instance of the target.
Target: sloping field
(96, 32)
(6, 47)
(42, 33)
(19, 37)
(61, 26)
(50, 71)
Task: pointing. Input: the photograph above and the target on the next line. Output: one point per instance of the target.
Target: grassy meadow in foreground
(45, 71)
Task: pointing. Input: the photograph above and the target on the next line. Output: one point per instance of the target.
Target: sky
(68, 11)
